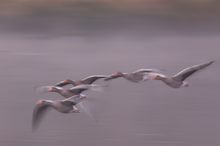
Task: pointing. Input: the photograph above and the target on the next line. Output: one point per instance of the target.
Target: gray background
(40, 50)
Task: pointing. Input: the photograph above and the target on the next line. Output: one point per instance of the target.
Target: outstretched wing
(85, 108)
(38, 113)
(113, 76)
(92, 79)
(185, 73)
(64, 83)
(80, 88)
(145, 71)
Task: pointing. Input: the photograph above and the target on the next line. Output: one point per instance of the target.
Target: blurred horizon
(199, 7)
(87, 16)
(45, 41)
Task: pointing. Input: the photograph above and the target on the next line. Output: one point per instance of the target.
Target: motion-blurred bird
(62, 106)
(87, 80)
(178, 80)
(136, 76)
(71, 91)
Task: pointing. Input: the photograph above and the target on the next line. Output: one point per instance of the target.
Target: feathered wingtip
(210, 62)
(35, 121)
(84, 106)
(204, 65)
(98, 88)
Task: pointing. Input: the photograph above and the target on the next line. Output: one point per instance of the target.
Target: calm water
(127, 114)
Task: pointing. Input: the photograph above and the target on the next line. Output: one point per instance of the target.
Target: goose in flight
(136, 76)
(62, 106)
(87, 80)
(71, 91)
(178, 80)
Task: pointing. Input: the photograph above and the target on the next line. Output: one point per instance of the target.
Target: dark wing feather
(38, 113)
(64, 83)
(185, 73)
(145, 71)
(92, 79)
(68, 103)
(79, 89)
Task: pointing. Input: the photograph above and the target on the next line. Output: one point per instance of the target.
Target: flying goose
(87, 80)
(178, 80)
(71, 91)
(136, 76)
(62, 106)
